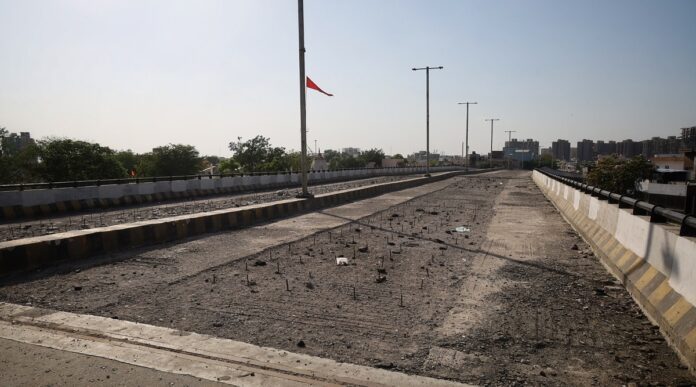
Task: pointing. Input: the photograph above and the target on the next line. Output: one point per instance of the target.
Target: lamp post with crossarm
(490, 161)
(427, 113)
(466, 144)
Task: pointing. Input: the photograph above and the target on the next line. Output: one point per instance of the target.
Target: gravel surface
(108, 217)
(543, 312)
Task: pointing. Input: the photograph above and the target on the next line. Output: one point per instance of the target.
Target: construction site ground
(473, 279)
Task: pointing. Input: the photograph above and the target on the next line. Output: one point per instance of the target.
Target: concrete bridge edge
(658, 271)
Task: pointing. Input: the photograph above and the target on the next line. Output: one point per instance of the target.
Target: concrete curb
(31, 253)
(651, 285)
(206, 357)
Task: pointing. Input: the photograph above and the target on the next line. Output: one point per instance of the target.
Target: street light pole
(510, 132)
(427, 114)
(466, 157)
(303, 104)
(490, 161)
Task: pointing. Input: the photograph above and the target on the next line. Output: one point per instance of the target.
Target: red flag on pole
(314, 86)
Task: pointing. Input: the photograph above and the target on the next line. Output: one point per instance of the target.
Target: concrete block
(37, 197)
(146, 188)
(10, 198)
(206, 183)
(111, 191)
(162, 186)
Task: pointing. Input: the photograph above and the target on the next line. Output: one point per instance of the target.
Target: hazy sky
(137, 74)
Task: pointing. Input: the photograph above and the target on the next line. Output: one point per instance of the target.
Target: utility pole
(427, 114)
(466, 157)
(303, 104)
(509, 132)
(490, 161)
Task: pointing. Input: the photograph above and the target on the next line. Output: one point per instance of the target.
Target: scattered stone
(77, 288)
(259, 262)
(385, 366)
(574, 247)
(301, 344)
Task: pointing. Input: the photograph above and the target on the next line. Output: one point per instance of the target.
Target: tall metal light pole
(303, 104)
(509, 132)
(490, 160)
(466, 159)
(427, 114)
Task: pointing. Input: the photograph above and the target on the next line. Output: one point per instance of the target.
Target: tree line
(63, 159)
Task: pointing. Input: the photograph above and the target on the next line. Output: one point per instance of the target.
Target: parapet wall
(655, 264)
(35, 202)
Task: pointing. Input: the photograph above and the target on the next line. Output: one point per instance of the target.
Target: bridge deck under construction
(465, 280)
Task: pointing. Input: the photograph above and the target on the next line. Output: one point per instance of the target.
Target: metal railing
(657, 214)
(137, 180)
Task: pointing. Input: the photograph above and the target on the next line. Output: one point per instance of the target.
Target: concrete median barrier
(41, 202)
(36, 252)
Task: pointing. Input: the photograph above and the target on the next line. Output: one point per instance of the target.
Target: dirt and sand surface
(101, 217)
(503, 300)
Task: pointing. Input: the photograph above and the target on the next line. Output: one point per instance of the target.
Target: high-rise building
(648, 148)
(13, 143)
(512, 146)
(673, 144)
(605, 148)
(688, 137)
(585, 150)
(560, 150)
(629, 148)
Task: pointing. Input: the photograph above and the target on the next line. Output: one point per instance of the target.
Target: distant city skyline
(135, 75)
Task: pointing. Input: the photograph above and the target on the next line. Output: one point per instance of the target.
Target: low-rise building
(673, 161)
(393, 163)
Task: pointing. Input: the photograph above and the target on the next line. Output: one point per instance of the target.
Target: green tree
(294, 160)
(330, 154)
(5, 167)
(373, 155)
(128, 160)
(619, 175)
(229, 165)
(172, 160)
(398, 156)
(257, 155)
(66, 160)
